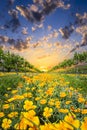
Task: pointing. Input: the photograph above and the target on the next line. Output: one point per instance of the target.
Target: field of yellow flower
(42, 102)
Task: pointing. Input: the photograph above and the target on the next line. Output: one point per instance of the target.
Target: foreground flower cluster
(43, 102)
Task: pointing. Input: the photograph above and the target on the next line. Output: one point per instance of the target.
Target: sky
(44, 32)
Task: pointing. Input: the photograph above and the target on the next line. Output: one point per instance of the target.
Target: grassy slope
(80, 69)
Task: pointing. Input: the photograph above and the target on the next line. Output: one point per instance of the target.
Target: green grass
(9, 80)
(77, 81)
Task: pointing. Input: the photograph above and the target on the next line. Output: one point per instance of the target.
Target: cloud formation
(82, 29)
(53, 35)
(84, 39)
(41, 8)
(81, 19)
(66, 31)
(18, 44)
(49, 27)
(29, 14)
(82, 44)
(37, 26)
(14, 23)
(81, 22)
(25, 30)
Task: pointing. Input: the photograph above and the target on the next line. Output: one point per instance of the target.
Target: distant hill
(78, 64)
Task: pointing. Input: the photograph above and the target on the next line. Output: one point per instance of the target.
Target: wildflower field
(43, 101)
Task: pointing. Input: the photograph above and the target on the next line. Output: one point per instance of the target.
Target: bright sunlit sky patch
(45, 32)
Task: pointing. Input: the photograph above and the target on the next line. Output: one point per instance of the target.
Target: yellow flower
(63, 110)
(77, 110)
(71, 119)
(11, 99)
(22, 125)
(18, 97)
(20, 85)
(81, 100)
(68, 102)
(8, 88)
(27, 88)
(42, 84)
(6, 106)
(6, 123)
(47, 112)
(62, 94)
(37, 98)
(47, 127)
(57, 104)
(43, 101)
(1, 114)
(13, 114)
(33, 88)
(51, 102)
(35, 120)
(50, 91)
(30, 118)
(14, 91)
(60, 126)
(39, 91)
(84, 111)
(71, 88)
(6, 95)
(27, 95)
(33, 128)
(28, 105)
(84, 124)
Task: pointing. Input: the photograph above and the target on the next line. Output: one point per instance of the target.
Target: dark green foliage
(10, 62)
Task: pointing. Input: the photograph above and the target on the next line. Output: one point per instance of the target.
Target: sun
(43, 68)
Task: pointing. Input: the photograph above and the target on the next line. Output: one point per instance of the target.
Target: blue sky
(50, 29)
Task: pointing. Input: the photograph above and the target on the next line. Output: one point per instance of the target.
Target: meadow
(43, 101)
(43, 64)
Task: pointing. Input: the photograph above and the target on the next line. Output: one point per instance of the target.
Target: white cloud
(25, 30)
(49, 27)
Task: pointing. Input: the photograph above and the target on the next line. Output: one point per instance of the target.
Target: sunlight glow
(43, 68)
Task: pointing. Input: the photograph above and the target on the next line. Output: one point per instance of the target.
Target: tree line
(11, 62)
(77, 58)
